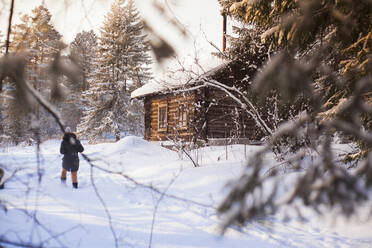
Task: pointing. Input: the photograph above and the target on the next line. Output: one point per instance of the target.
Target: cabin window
(162, 123)
(182, 116)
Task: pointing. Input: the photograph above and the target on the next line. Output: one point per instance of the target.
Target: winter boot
(75, 185)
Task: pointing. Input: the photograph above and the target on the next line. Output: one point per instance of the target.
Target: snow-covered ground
(110, 205)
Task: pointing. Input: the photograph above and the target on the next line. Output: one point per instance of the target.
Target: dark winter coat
(70, 147)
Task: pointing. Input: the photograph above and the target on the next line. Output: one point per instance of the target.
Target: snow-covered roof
(154, 87)
(151, 88)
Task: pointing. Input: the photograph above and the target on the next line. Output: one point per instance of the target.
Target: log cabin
(206, 108)
(212, 107)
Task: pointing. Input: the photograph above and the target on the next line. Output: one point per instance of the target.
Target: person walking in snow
(70, 147)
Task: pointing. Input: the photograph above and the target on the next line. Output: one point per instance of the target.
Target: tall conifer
(122, 66)
(37, 38)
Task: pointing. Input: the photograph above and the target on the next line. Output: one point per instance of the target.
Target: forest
(99, 72)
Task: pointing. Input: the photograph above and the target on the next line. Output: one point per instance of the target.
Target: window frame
(162, 123)
(182, 116)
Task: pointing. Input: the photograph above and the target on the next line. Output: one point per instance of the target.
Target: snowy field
(181, 214)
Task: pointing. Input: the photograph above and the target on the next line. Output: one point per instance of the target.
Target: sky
(201, 19)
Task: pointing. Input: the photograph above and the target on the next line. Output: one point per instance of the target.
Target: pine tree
(124, 45)
(323, 52)
(83, 51)
(335, 34)
(37, 38)
(122, 66)
(137, 48)
(252, 54)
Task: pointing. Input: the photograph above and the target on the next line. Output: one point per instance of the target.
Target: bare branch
(157, 205)
(150, 187)
(104, 207)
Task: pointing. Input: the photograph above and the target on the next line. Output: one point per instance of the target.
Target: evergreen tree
(39, 40)
(83, 51)
(123, 45)
(323, 52)
(252, 54)
(332, 36)
(122, 66)
(38, 37)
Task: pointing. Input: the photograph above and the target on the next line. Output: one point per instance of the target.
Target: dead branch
(39, 224)
(157, 205)
(150, 187)
(2, 182)
(19, 244)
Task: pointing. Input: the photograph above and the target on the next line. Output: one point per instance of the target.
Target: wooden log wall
(224, 118)
(211, 114)
(172, 130)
